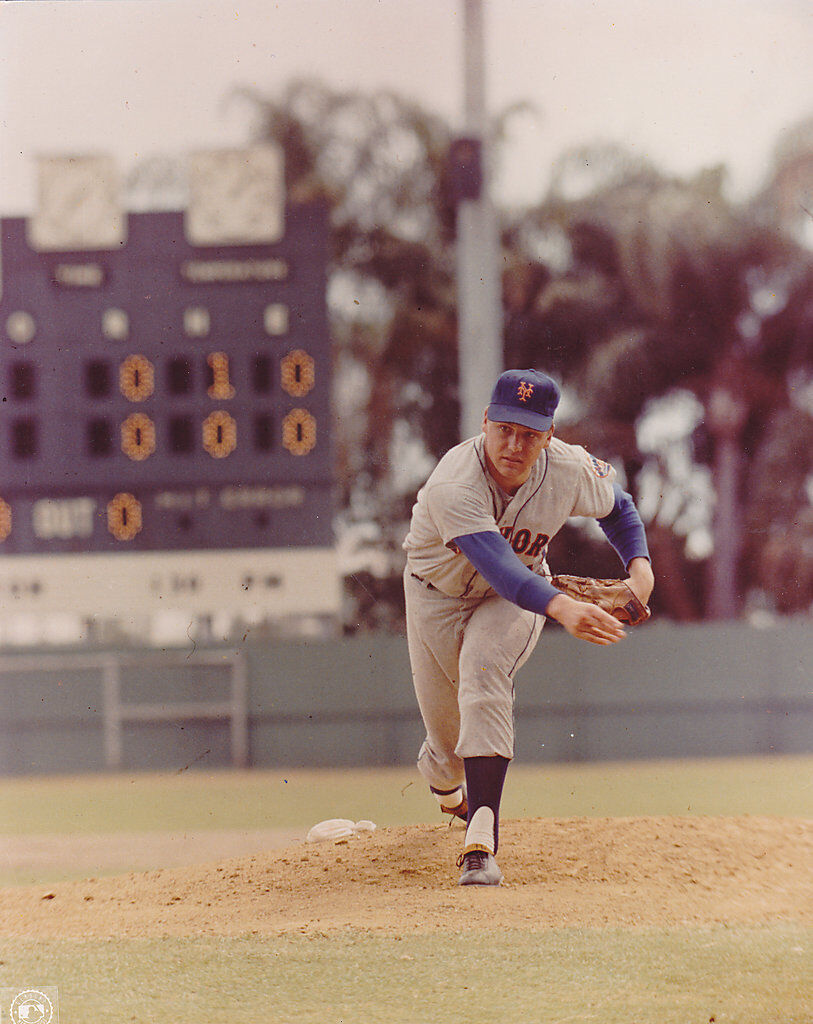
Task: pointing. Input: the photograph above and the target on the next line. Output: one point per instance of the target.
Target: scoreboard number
(298, 374)
(124, 516)
(299, 432)
(220, 387)
(219, 434)
(138, 437)
(5, 519)
(136, 378)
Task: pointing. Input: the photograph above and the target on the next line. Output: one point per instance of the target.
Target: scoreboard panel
(162, 395)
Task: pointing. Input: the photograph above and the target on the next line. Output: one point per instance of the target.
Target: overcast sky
(687, 84)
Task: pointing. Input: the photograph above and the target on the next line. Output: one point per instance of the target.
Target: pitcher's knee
(486, 728)
(482, 669)
(491, 689)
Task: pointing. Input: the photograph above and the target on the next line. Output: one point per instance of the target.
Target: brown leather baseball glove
(614, 596)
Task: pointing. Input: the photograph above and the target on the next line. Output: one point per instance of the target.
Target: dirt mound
(583, 872)
(73, 855)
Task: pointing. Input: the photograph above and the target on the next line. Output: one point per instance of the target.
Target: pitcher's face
(511, 451)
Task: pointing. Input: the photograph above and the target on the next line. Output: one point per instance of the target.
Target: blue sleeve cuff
(492, 556)
(624, 529)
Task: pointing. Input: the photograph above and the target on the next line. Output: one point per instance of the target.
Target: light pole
(726, 415)
(479, 301)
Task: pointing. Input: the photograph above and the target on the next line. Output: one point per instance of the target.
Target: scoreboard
(165, 393)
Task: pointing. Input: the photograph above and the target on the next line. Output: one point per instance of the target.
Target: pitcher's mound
(578, 872)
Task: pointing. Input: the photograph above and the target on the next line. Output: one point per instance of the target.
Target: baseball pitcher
(478, 590)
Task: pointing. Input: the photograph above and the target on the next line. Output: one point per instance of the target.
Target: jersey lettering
(520, 541)
(538, 547)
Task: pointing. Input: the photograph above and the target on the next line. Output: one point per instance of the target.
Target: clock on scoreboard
(169, 388)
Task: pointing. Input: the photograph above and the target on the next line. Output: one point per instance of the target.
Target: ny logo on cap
(524, 391)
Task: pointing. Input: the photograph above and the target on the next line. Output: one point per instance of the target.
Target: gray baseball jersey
(461, 497)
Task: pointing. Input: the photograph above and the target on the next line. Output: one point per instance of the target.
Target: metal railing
(116, 712)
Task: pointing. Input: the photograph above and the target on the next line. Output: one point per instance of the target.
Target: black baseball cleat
(479, 868)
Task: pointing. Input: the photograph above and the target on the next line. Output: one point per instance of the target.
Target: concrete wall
(667, 691)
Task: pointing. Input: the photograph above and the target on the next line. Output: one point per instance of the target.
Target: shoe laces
(475, 860)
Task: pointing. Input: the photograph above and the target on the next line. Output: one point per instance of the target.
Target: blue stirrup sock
(485, 777)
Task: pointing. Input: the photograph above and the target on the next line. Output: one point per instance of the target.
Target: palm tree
(663, 292)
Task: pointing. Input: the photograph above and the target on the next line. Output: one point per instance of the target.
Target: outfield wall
(667, 691)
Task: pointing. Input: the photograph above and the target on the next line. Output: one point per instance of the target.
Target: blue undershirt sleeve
(623, 528)
(492, 556)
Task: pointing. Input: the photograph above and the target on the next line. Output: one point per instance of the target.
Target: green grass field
(508, 976)
(396, 796)
(741, 976)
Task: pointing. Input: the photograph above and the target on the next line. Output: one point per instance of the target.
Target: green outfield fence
(667, 691)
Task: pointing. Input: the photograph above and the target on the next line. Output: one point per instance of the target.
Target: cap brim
(525, 417)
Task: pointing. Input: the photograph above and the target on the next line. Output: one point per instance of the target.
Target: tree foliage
(630, 285)
(670, 287)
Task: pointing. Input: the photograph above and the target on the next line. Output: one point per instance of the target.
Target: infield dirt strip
(578, 872)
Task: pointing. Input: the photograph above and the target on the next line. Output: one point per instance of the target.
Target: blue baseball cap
(527, 397)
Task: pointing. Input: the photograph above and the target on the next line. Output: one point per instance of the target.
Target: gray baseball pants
(464, 655)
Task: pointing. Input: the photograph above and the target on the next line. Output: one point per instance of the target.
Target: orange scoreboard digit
(165, 395)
